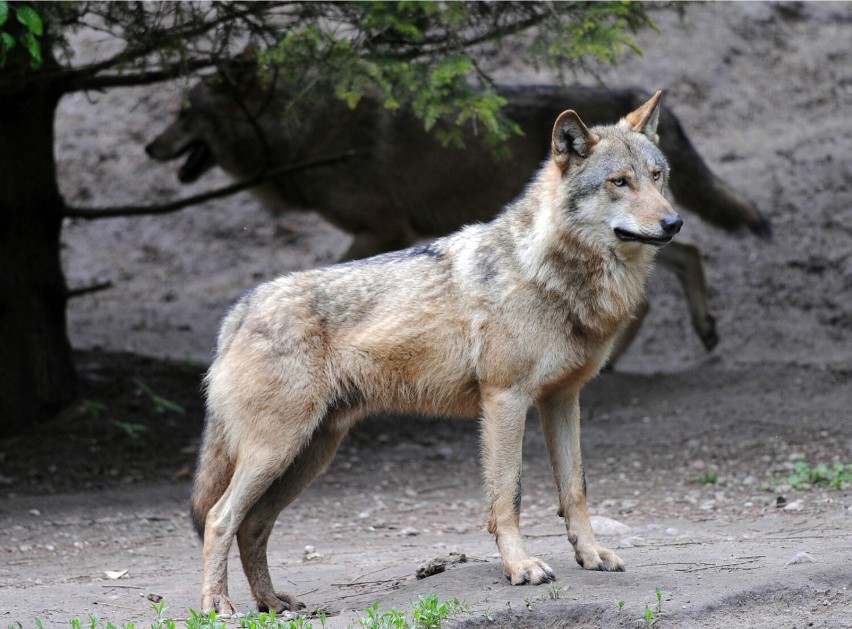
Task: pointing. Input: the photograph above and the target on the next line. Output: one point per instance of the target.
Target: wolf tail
(213, 473)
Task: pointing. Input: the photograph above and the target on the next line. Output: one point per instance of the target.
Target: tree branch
(72, 293)
(85, 81)
(180, 204)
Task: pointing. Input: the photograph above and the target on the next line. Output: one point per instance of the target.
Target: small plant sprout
(134, 431)
(708, 478)
(554, 591)
(95, 409)
(647, 619)
(620, 604)
(160, 404)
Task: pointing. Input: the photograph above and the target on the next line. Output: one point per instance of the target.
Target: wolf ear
(645, 119)
(571, 139)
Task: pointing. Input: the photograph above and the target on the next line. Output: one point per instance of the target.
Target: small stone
(439, 564)
(796, 505)
(154, 598)
(115, 574)
(605, 526)
(802, 557)
(672, 531)
(35, 512)
(310, 549)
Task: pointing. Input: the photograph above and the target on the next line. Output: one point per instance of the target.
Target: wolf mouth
(196, 163)
(628, 236)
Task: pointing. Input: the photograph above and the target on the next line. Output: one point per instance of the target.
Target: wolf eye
(619, 181)
(657, 174)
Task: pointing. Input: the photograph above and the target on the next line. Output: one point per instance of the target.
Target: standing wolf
(486, 322)
(404, 185)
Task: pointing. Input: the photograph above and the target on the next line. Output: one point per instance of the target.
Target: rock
(115, 574)
(802, 557)
(439, 564)
(604, 526)
(796, 505)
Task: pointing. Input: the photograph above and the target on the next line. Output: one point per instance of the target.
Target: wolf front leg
(560, 420)
(502, 439)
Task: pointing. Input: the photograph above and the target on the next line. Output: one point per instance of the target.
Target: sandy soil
(764, 91)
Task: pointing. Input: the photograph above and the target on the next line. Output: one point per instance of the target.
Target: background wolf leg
(684, 260)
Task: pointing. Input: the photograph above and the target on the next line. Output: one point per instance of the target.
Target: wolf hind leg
(258, 465)
(627, 335)
(253, 534)
(684, 260)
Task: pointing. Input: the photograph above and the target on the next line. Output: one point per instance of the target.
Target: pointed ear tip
(568, 113)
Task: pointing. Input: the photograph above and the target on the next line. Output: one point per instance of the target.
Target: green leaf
(34, 47)
(32, 20)
(4, 12)
(8, 41)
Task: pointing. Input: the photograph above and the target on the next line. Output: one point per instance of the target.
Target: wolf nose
(671, 224)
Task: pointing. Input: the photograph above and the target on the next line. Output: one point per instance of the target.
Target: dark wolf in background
(434, 189)
(487, 322)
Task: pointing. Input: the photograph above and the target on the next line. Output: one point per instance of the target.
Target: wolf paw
(279, 602)
(708, 333)
(221, 604)
(598, 558)
(532, 571)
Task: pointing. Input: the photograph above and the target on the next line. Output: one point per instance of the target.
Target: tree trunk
(36, 369)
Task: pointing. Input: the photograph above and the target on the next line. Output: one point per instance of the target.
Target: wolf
(238, 125)
(485, 323)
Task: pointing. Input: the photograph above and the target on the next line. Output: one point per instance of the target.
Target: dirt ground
(764, 91)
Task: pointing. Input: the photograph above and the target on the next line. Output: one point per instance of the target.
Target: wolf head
(613, 179)
(223, 122)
